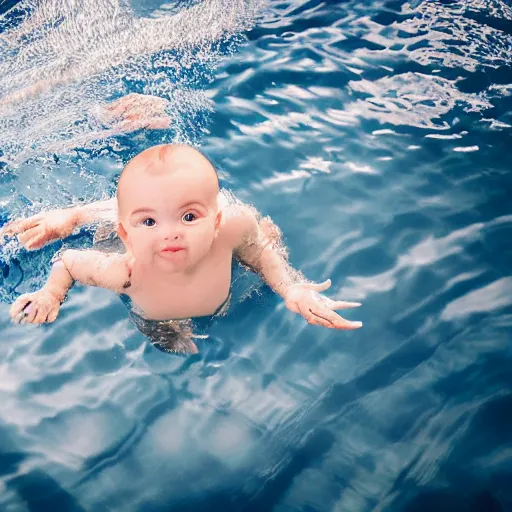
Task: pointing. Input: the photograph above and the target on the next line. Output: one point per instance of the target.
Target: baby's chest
(200, 295)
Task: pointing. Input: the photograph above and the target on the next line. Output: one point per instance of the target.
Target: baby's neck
(153, 274)
(158, 276)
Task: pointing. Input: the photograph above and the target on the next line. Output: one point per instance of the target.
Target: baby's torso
(201, 293)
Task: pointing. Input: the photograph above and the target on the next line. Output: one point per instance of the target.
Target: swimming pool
(376, 135)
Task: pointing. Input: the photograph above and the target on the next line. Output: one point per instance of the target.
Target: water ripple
(375, 134)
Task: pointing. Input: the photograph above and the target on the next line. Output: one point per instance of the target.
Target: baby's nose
(172, 234)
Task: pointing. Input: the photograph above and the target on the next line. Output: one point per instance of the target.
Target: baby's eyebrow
(143, 210)
(192, 203)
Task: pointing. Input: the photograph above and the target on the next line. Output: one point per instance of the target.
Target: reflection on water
(376, 135)
(463, 34)
(412, 99)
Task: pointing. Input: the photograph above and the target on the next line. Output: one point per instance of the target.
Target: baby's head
(167, 202)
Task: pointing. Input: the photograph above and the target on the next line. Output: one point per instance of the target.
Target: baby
(180, 235)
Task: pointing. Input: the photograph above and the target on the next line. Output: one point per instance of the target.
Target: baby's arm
(261, 248)
(38, 230)
(99, 210)
(89, 267)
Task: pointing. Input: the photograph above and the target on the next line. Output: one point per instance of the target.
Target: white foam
(67, 56)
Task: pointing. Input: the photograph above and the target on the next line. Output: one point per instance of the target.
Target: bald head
(169, 159)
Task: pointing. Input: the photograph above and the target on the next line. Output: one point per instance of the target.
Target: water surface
(376, 134)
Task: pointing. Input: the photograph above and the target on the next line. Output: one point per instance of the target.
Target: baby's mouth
(173, 248)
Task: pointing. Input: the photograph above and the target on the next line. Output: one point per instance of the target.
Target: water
(376, 134)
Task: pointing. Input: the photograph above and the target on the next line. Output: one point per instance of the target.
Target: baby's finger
(30, 313)
(28, 234)
(37, 241)
(311, 318)
(18, 306)
(41, 315)
(341, 323)
(320, 287)
(348, 325)
(52, 316)
(326, 318)
(342, 304)
(17, 226)
(6, 230)
(334, 320)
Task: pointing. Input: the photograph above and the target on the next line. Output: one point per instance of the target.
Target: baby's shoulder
(238, 221)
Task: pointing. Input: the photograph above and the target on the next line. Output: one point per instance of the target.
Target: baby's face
(169, 220)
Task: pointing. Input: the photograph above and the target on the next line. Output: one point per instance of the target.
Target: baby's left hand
(137, 111)
(317, 309)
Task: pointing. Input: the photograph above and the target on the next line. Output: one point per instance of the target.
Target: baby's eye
(188, 217)
(149, 222)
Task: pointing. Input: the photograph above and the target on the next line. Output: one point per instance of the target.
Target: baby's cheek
(202, 244)
(143, 253)
(207, 238)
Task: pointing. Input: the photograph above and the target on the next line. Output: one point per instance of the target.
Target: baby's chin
(172, 263)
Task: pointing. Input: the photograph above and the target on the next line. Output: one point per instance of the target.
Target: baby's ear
(123, 235)
(217, 222)
(130, 259)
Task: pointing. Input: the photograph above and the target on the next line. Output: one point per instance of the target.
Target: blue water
(377, 135)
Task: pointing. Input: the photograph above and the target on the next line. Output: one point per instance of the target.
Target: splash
(60, 60)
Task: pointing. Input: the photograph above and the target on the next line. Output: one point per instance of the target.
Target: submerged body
(181, 235)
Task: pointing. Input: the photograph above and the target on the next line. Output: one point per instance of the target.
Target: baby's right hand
(38, 230)
(35, 308)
